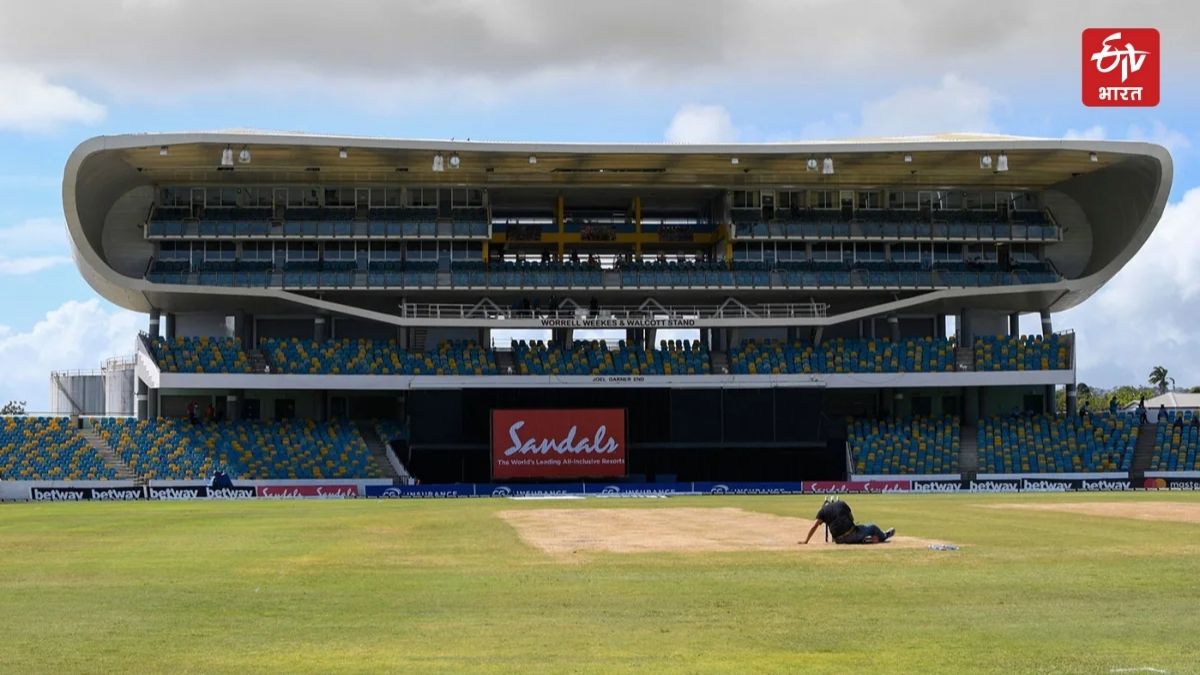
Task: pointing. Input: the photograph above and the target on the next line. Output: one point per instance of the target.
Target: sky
(548, 70)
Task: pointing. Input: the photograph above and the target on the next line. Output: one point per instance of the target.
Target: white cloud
(30, 265)
(1092, 133)
(31, 103)
(1158, 133)
(77, 335)
(1156, 299)
(701, 124)
(955, 104)
(33, 246)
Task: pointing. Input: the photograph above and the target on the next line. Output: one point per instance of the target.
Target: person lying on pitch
(837, 515)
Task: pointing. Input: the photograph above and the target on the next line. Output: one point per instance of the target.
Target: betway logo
(994, 486)
(1045, 485)
(115, 494)
(937, 486)
(231, 493)
(1105, 485)
(599, 444)
(57, 495)
(174, 493)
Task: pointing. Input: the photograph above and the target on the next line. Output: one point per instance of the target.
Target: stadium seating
(374, 357)
(391, 430)
(673, 357)
(1028, 352)
(47, 448)
(200, 355)
(1176, 447)
(1048, 444)
(525, 274)
(177, 449)
(904, 446)
(841, 355)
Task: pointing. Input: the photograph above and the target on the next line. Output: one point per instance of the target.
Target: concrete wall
(201, 324)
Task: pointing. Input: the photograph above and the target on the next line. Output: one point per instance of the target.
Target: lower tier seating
(920, 445)
(47, 448)
(1177, 446)
(170, 448)
(1048, 444)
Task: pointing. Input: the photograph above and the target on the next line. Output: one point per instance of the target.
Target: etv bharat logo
(1120, 67)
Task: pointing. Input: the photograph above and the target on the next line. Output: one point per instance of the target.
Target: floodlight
(1002, 162)
(227, 156)
(827, 166)
(163, 151)
(343, 154)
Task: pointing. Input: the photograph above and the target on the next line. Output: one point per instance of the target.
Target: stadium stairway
(258, 360)
(419, 335)
(719, 361)
(504, 363)
(964, 359)
(968, 452)
(111, 460)
(1143, 452)
(376, 446)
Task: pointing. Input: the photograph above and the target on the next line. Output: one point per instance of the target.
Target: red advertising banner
(842, 486)
(577, 443)
(310, 490)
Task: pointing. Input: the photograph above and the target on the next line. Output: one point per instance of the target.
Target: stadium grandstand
(332, 307)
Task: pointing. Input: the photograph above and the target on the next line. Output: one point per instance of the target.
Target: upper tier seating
(904, 446)
(841, 355)
(317, 222)
(170, 448)
(200, 355)
(1027, 352)
(47, 448)
(375, 357)
(1176, 447)
(1048, 444)
(673, 357)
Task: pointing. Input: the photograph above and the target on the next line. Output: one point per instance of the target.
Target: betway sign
(576, 443)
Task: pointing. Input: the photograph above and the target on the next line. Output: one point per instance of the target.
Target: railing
(800, 310)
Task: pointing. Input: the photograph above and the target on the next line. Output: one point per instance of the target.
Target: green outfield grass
(446, 586)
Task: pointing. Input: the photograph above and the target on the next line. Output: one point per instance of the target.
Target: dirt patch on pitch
(1157, 511)
(670, 530)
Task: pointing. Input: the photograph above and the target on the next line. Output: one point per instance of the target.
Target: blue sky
(762, 70)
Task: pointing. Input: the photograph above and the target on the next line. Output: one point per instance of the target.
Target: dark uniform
(840, 520)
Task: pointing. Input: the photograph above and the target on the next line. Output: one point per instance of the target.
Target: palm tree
(1159, 378)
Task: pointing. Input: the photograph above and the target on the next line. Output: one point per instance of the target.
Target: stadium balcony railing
(374, 357)
(48, 448)
(597, 357)
(843, 355)
(317, 223)
(1049, 444)
(525, 274)
(178, 449)
(1177, 443)
(918, 445)
(897, 225)
(1027, 352)
(200, 355)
